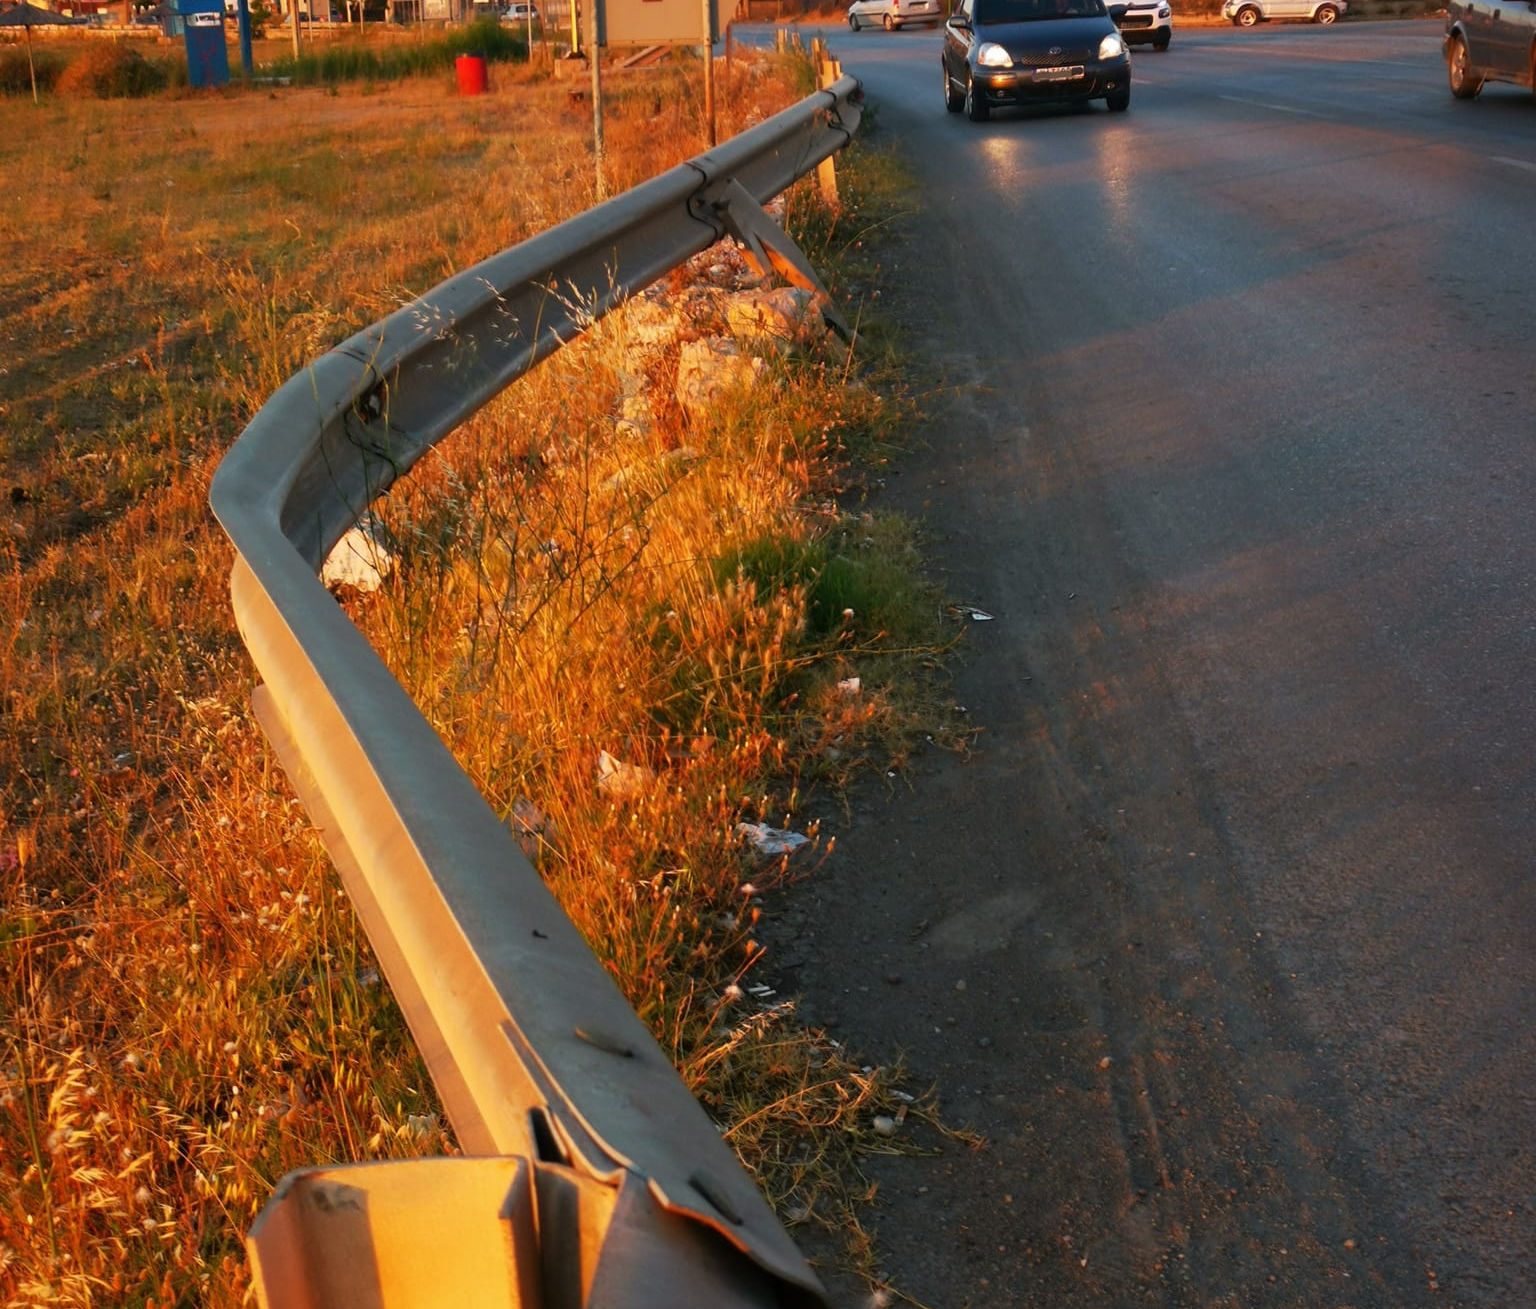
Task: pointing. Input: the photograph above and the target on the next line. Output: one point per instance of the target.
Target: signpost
(656, 22)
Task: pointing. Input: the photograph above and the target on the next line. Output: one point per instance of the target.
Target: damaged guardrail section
(590, 1176)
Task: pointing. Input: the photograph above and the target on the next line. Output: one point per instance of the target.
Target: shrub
(111, 72)
(16, 76)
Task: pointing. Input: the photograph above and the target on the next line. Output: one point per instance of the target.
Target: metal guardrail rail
(592, 1177)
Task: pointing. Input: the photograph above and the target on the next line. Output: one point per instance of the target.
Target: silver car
(894, 14)
(1245, 13)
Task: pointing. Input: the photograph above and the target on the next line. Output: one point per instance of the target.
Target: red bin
(470, 70)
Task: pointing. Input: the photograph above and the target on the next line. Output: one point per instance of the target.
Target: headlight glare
(992, 55)
(1111, 47)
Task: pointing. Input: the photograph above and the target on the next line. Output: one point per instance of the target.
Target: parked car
(1245, 13)
(1022, 52)
(1144, 22)
(1489, 41)
(894, 14)
(520, 13)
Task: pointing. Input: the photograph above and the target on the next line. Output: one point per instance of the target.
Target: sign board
(661, 22)
(205, 20)
(436, 11)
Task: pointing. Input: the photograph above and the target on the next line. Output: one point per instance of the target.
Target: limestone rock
(710, 369)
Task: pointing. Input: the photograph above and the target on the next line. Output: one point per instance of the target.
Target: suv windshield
(1027, 11)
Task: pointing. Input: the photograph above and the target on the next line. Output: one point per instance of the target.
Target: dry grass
(189, 1009)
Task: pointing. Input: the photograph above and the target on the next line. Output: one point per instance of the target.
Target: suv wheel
(1466, 81)
(1325, 14)
(853, 22)
(1160, 41)
(1247, 16)
(890, 23)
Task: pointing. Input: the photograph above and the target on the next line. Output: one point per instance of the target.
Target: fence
(591, 1176)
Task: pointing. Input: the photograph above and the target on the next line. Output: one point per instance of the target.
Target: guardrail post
(828, 72)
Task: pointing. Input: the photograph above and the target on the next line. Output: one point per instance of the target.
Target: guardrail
(599, 1181)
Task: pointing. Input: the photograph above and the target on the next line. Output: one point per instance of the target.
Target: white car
(1245, 13)
(894, 14)
(1144, 22)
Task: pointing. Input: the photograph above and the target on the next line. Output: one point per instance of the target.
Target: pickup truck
(1489, 41)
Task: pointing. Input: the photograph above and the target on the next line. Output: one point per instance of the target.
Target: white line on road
(1279, 109)
(1514, 163)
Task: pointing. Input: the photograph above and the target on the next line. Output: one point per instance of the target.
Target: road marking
(1514, 163)
(1279, 109)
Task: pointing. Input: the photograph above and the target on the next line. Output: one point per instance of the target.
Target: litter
(616, 778)
(970, 611)
(771, 840)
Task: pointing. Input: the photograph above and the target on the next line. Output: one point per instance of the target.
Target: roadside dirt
(1056, 933)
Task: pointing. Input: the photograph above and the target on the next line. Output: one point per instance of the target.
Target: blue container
(207, 54)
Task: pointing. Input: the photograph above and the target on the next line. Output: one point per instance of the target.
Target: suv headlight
(1164, 12)
(1111, 47)
(992, 55)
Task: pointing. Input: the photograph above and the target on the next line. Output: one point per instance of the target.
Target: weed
(16, 72)
(187, 1006)
(113, 72)
(354, 61)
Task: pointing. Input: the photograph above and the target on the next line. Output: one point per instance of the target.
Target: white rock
(783, 316)
(636, 417)
(651, 323)
(709, 370)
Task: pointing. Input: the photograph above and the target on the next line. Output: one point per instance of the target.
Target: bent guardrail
(601, 1181)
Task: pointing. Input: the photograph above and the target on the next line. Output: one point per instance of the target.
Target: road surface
(1226, 934)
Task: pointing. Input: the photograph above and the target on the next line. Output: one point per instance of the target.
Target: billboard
(661, 22)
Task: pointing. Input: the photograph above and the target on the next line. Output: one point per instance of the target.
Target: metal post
(828, 70)
(709, 72)
(293, 12)
(596, 55)
(243, 19)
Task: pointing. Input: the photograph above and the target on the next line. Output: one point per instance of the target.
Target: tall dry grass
(187, 1008)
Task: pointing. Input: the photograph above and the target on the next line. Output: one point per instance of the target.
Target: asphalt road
(1226, 935)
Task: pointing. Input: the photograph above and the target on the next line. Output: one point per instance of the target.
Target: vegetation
(187, 1007)
(364, 60)
(117, 72)
(16, 74)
